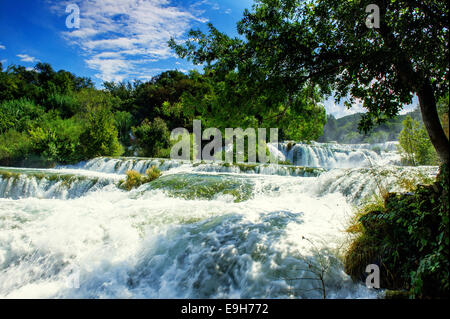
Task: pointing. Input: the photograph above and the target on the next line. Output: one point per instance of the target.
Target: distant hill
(345, 130)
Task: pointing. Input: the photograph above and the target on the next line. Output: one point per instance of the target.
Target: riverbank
(407, 236)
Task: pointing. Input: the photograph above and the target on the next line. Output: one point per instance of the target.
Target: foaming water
(63, 184)
(122, 165)
(329, 155)
(202, 230)
(149, 244)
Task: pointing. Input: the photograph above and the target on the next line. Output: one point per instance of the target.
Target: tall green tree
(287, 44)
(100, 138)
(152, 137)
(415, 146)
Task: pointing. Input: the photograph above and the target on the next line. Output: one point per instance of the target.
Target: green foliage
(14, 146)
(100, 137)
(38, 101)
(90, 99)
(152, 137)
(443, 107)
(152, 174)
(134, 179)
(124, 122)
(39, 84)
(287, 47)
(58, 140)
(67, 105)
(408, 237)
(18, 114)
(345, 129)
(415, 145)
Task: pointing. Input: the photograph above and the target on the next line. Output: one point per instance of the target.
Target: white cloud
(340, 110)
(228, 11)
(120, 37)
(2, 47)
(27, 58)
(411, 107)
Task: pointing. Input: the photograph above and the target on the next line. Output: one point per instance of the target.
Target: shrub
(408, 237)
(18, 114)
(152, 137)
(100, 137)
(152, 174)
(134, 179)
(58, 140)
(14, 146)
(123, 122)
(415, 145)
(66, 105)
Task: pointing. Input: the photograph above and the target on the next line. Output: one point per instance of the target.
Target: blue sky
(117, 40)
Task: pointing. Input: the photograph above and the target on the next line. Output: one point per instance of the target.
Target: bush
(134, 179)
(100, 137)
(14, 146)
(152, 137)
(19, 115)
(123, 122)
(66, 105)
(58, 140)
(152, 174)
(415, 145)
(408, 237)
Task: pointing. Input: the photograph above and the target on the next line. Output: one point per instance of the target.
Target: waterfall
(328, 155)
(16, 184)
(202, 230)
(122, 165)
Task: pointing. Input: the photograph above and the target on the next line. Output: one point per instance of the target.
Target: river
(202, 230)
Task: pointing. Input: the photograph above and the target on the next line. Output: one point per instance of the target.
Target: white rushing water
(202, 230)
(331, 155)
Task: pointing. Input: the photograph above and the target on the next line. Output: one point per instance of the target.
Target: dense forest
(49, 116)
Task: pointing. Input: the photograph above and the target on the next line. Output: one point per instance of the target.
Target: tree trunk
(431, 120)
(422, 86)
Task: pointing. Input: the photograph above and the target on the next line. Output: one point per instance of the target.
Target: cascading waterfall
(202, 230)
(122, 165)
(20, 183)
(329, 155)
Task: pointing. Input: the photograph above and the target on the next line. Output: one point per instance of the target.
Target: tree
(18, 114)
(443, 106)
(100, 137)
(124, 122)
(415, 146)
(152, 137)
(290, 43)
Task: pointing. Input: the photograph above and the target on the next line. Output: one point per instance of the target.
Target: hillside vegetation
(345, 129)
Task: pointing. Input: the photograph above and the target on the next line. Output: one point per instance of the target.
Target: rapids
(202, 230)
